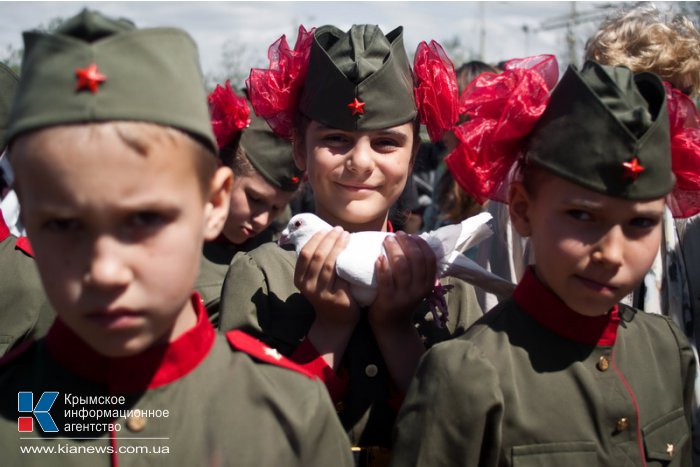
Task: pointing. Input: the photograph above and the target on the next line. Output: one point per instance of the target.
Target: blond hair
(644, 39)
(142, 136)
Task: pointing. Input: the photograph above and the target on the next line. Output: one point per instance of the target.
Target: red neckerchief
(154, 367)
(4, 230)
(551, 312)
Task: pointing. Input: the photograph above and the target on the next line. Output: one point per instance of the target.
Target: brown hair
(455, 204)
(470, 70)
(643, 39)
(232, 155)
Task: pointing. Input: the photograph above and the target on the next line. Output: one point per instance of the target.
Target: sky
(492, 31)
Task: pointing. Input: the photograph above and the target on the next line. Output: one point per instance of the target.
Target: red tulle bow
(274, 92)
(229, 113)
(435, 89)
(684, 200)
(502, 110)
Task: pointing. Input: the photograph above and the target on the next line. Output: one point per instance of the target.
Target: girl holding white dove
(346, 99)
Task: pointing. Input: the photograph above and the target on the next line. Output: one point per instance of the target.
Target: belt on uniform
(371, 456)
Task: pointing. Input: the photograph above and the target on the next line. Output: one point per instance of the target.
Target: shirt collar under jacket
(551, 312)
(156, 366)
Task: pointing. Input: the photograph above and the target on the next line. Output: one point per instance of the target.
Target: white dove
(355, 263)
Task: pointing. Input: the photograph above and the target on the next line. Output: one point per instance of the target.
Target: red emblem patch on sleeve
(252, 346)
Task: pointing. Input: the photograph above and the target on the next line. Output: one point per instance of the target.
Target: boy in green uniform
(561, 373)
(116, 171)
(355, 126)
(264, 180)
(24, 310)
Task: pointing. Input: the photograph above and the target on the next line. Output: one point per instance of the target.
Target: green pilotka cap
(271, 155)
(8, 86)
(358, 80)
(607, 129)
(96, 69)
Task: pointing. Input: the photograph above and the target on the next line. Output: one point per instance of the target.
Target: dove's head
(301, 228)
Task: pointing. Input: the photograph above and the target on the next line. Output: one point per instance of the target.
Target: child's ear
(519, 202)
(216, 208)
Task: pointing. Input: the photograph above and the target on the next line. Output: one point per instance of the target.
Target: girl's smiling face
(356, 175)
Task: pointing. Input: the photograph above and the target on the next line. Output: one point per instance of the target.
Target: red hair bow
(435, 89)
(229, 113)
(274, 92)
(502, 109)
(684, 200)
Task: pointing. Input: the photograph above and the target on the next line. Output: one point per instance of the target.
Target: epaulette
(24, 245)
(254, 347)
(16, 352)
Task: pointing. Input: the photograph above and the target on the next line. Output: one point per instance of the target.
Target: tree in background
(12, 57)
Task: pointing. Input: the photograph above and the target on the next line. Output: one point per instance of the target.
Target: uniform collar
(156, 366)
(4, 230)
(551, 312)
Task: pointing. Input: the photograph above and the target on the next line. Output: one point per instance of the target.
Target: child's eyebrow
(583, 203)
(394, 134)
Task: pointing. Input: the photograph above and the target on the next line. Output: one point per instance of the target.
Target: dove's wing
(474, 230)
(355, 263)
(456, 238)
(464, 268)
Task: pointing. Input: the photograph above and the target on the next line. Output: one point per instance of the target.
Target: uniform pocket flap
(571, 454)
(665, 436)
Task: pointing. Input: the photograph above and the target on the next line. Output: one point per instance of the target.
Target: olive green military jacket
(530, 384)
(216, 258)
(204, 400)
(260, 298)
(24, 309)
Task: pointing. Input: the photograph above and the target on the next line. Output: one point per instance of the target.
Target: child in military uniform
(116, 171)
(355, 133)
(24, 311)
(265, 179)
(562, 373)
(645, 39)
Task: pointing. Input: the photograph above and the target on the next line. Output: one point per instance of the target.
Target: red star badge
(295, 180)
(89, 78)
(357, 107)
(632, 168)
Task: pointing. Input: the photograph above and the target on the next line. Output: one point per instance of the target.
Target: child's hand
(405, 277)
(316, 278)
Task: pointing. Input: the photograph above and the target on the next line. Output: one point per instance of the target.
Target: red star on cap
(295, 179)
(357, 107)
(89, 78)
(632, 168)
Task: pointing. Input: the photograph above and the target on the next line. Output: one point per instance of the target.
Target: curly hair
(644, 39)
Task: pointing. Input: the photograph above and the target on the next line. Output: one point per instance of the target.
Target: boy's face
(356, 175)
(591, 250)
(117, 234)
(254, 205)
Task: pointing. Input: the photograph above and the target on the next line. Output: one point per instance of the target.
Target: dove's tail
(469, 271)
